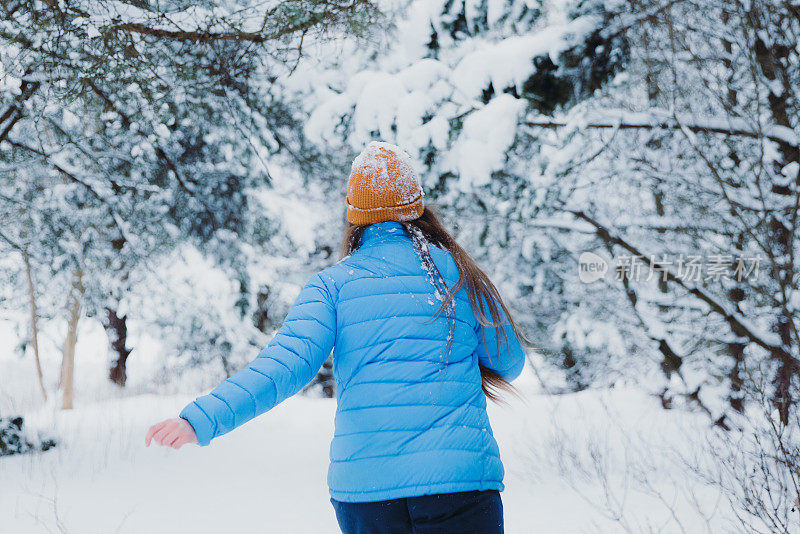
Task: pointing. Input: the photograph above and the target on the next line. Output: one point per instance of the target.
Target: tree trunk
(117, 330)
(68, 357)
(34, 323)
(772, 58)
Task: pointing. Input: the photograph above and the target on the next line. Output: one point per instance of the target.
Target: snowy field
(269, 475)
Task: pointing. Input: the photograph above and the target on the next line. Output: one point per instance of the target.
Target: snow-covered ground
(572, 461)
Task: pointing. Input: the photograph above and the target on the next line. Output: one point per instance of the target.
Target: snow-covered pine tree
(453, 84)
(128, 128)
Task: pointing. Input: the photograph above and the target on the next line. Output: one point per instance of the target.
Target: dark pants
(474, 512)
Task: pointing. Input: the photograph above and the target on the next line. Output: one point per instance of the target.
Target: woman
(420, 338)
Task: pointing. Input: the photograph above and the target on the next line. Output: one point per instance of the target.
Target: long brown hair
(481, 292)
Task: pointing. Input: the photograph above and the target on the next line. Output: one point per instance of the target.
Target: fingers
(170, 433)
(180, 442)
(153, 429)
(173, 439)
(165, 431)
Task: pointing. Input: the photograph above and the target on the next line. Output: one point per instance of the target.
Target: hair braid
(440, 285)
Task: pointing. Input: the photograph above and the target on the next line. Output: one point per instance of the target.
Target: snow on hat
(383, 186)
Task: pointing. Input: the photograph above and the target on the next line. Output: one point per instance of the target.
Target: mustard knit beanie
(383, 186)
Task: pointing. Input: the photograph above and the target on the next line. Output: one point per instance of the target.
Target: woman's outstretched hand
(173, 433)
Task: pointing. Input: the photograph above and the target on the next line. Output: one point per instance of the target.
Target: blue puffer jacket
(408, 422)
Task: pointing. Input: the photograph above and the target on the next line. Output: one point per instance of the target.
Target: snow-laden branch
(63, 168)
(738, 323)
(198, 24)
(659, 119)
(13, 244)
(15, 111)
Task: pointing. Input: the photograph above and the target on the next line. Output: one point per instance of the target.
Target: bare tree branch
(636, 121)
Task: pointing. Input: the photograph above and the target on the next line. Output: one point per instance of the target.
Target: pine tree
(128, 129)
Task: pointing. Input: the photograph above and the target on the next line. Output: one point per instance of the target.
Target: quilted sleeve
(293, 357)
(508, 359)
